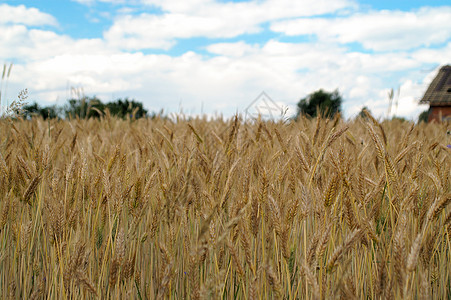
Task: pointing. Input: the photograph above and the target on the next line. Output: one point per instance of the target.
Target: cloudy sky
(210, 56)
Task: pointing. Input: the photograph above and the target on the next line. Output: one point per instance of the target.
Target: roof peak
(439, 91)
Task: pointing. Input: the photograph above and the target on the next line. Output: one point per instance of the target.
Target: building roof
(439, 91)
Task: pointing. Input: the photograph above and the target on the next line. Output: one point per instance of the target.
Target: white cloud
(268, 9)
(159, 31)
(26, 16)
(237, 49)
(377, 30)
(20, 42)
(207, 18)
(437, 55)
(49, 63)
(407, 103)
(226, 82)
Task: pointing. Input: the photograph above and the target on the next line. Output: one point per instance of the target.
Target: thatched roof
(439, 91)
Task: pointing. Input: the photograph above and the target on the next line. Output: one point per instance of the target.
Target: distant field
(155, 209)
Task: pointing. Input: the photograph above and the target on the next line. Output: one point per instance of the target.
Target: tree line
(317, 103)
(328, 104)
(320, 102)
(88, 107)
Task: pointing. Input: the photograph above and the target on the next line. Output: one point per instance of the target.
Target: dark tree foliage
(400, 119)
(46, 112)
(94, 108)
(423, 117)
(88, 107)
(320, 102)
(84, 108)
(125, 107)
(362, 112)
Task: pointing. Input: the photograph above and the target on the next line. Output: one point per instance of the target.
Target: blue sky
(216, 56)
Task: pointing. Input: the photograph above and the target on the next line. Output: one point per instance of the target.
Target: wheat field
(222, 209)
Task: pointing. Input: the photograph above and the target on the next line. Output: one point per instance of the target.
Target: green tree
(401, 119)
(88, 107)
(423, 117)
(84, 108)
(362, 112)
(320, 102)
(123, 108)
(46, 112)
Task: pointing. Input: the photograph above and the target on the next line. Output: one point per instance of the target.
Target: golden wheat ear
(218, 209)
